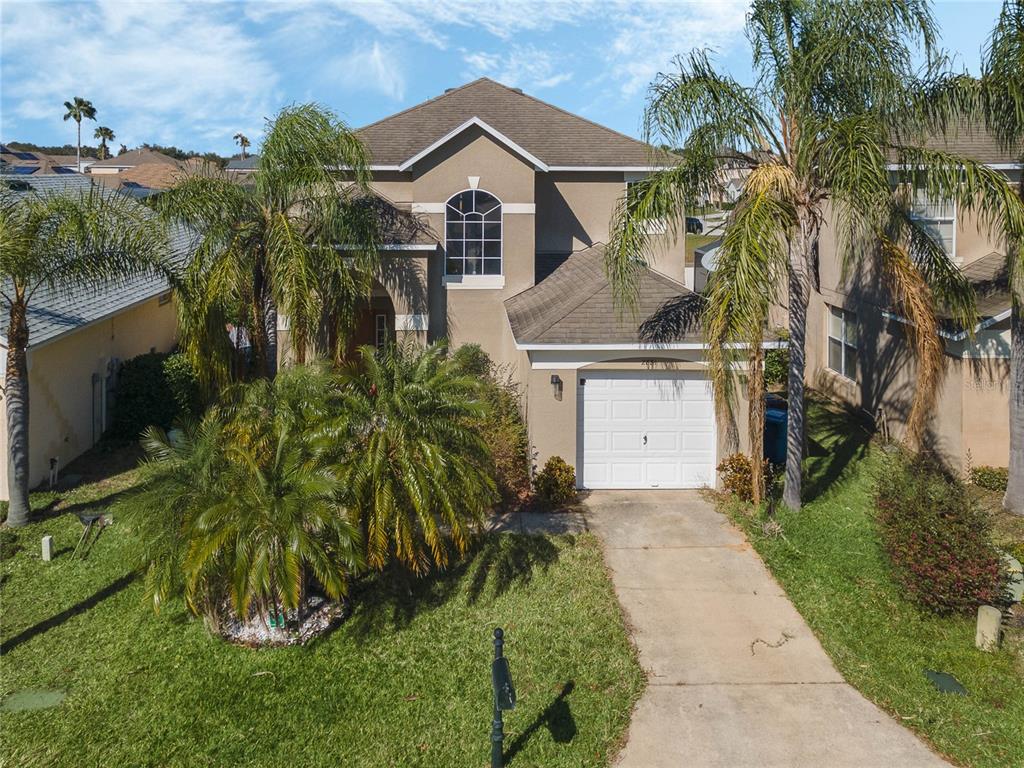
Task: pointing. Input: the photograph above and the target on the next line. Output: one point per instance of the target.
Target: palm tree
(827, 116)
(79, 109)
(104, 134)
(61, 242)
(242, 507)
(1003, 107)
(417, 472)
(243, 141)
(274, 242)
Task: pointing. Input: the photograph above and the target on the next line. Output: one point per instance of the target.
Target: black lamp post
(504, 697)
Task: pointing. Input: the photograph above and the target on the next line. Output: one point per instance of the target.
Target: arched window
(472, 223)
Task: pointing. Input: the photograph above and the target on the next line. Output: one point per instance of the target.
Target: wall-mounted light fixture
(556, 385)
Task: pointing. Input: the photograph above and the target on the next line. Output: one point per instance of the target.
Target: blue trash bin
(776, 418)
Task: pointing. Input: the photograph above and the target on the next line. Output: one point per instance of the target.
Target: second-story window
(472, 223)
(938, 218)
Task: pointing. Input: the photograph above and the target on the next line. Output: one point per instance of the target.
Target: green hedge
(153, 389)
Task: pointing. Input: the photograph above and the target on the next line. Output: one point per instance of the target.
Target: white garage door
(644, 429)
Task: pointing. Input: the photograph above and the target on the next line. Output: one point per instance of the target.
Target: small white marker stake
(47, 548)
(989, 628)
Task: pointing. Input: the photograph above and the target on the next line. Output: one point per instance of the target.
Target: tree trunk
(1014, 499)
(16, 397)
(799, 297)
(270, 330)
(78, 150)
(755, 404)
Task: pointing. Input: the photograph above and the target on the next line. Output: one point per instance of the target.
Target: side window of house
(473, 234)
(938, 218)
(381, 331)
(842, 342)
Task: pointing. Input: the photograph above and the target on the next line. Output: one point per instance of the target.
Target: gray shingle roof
(556, 137)
(238, 164)
(55, 312)
(974, 142)
(575, 305)
(135, 157)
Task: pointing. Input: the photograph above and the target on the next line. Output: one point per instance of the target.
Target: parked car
(693, 225)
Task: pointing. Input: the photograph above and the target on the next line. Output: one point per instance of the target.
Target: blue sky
(194, 74)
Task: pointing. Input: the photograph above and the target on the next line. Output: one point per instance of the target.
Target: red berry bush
(937, 539)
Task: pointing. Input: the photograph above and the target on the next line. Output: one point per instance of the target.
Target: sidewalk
(736, 677)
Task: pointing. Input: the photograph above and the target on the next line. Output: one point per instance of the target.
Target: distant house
(76, 342)
(241, 168)
(24, 163)
(142, 172)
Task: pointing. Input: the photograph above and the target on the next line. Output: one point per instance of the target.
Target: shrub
(776, 362)
(937, 540)
(737, 475)
(153, 390)
(990, 478)
(502, 426)
(556, 483)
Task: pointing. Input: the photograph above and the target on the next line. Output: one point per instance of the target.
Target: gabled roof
(534, 129)
(53, 313)
(238, 164)
(135, 157)
(974, 142)
(575, 305)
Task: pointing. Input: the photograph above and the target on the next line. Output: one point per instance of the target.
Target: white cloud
(374, 67)
(156, 72)
(524, 66)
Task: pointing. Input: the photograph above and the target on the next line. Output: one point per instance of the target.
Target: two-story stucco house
(516, 197)
(857, 349)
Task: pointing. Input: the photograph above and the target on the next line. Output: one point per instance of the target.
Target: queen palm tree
(79, 109)
(243, 141)
(242, 506)
(59, 242)
(275, 241)
(104, 134)
(820, 128)
(417, 472)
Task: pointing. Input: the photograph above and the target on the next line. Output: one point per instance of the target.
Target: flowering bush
(937, 539)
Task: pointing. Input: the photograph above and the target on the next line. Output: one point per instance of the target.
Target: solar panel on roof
(25, 156)
(59, 169)
(24, 170)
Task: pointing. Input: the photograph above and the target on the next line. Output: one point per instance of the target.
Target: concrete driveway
(736, 676)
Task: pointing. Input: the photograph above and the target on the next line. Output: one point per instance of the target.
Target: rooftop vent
(518, 90)
(448, 90)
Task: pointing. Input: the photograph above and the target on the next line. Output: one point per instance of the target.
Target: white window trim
(469, 282)
(953, 220)
(843, 343)
(460, 280)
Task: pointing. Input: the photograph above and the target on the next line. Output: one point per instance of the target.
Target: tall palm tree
(79, 109)
(417, 471)
(104, 134)
(59, 242)
(243, 141)
(820, 128)
(242, 506)
(1003, 107)
(274, 241)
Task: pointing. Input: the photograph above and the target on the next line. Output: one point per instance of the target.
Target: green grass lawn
(696, 241)
(830, 562)
(405, 681)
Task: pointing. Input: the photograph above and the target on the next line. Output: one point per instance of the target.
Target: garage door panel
(673, 410)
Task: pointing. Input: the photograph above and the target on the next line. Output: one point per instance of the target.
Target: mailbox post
(504, 697)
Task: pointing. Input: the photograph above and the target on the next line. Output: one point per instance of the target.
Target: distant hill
(87, 151)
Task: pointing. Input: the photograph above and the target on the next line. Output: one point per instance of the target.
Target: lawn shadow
(495, 563)
(837, 437)
(68, 613)
(556, 717)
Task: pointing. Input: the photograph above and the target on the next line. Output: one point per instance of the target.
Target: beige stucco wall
(970, 420)
(61, 388)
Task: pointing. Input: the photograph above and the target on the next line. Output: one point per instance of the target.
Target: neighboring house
(134, 158)
(76, 342)
(857, 349)
(519, 196)
(24, 163)
(237, 167)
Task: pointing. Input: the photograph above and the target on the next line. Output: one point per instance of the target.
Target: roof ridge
(431, 100)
